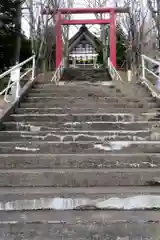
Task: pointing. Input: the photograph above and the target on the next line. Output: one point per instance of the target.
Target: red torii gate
(59, 21)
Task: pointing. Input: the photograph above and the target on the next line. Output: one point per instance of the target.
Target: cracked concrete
(88, 147)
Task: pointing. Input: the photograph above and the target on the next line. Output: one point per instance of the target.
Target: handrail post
(143, 67)
(15, 79)
(17, 89)
(33, 67)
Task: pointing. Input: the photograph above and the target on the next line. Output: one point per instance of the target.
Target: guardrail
(149, 77)
(113, 72)
(58, 73)
(15, 77)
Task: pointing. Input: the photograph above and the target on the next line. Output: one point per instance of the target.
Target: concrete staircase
(89, 75)
(67, 152)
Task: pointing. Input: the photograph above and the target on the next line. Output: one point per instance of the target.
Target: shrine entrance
(59, 20)
(83, 49)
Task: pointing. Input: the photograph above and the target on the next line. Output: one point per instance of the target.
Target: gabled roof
(83, 31)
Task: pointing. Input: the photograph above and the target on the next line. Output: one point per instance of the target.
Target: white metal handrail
(15, 76)
(113, 72)
(58, 73)
(145, 70)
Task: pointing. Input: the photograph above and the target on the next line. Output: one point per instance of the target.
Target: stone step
(82, 217)
(99, 161)
(88, 100)
(102, 227)
(74, 86)
(79, 126)
(80, 147)
(85, 117)
(93, 97)
(101, 201)
(36, 93)
(93, 193)
(79, 100)
(88, 77)
(91, 104)
(77, 85)
(79, 177)
(63, 136)
(74, 93)
(75, 110)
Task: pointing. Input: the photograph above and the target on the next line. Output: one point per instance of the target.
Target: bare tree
(18, 31)
(42, 32)
(154, 7)
(138, 28)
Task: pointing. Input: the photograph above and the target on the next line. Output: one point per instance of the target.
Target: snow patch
(135, 202)
(72, 123)
(150, 164)
(30, 127)
(35, 128)
(123, 238)
(27, 149)
(112, 146)
(136, 165)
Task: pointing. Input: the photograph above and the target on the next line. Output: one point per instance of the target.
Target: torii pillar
(112, 35)
(59, 45)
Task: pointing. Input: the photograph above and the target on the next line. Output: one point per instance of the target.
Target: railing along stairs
(113, 72)
(151, 75)
(59, 72)
(14, 77)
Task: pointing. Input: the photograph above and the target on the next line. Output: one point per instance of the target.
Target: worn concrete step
(82, 100)
(74, 93)
(132, 228)
(101, 201)
(79, 177)
(83, 93)
(94, 105)
(63, 86)
(39, 97)
(92, 77)
(81, 217)
(77, 92)
(85, 147)
(93, 193)
(99, 161)
(62, 136)
(82, 110)
(94, 97)
(74, 85)
(84, 117)
(88, 77)
(81, 126)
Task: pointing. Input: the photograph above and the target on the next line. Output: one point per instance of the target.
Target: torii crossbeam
(59, 21)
